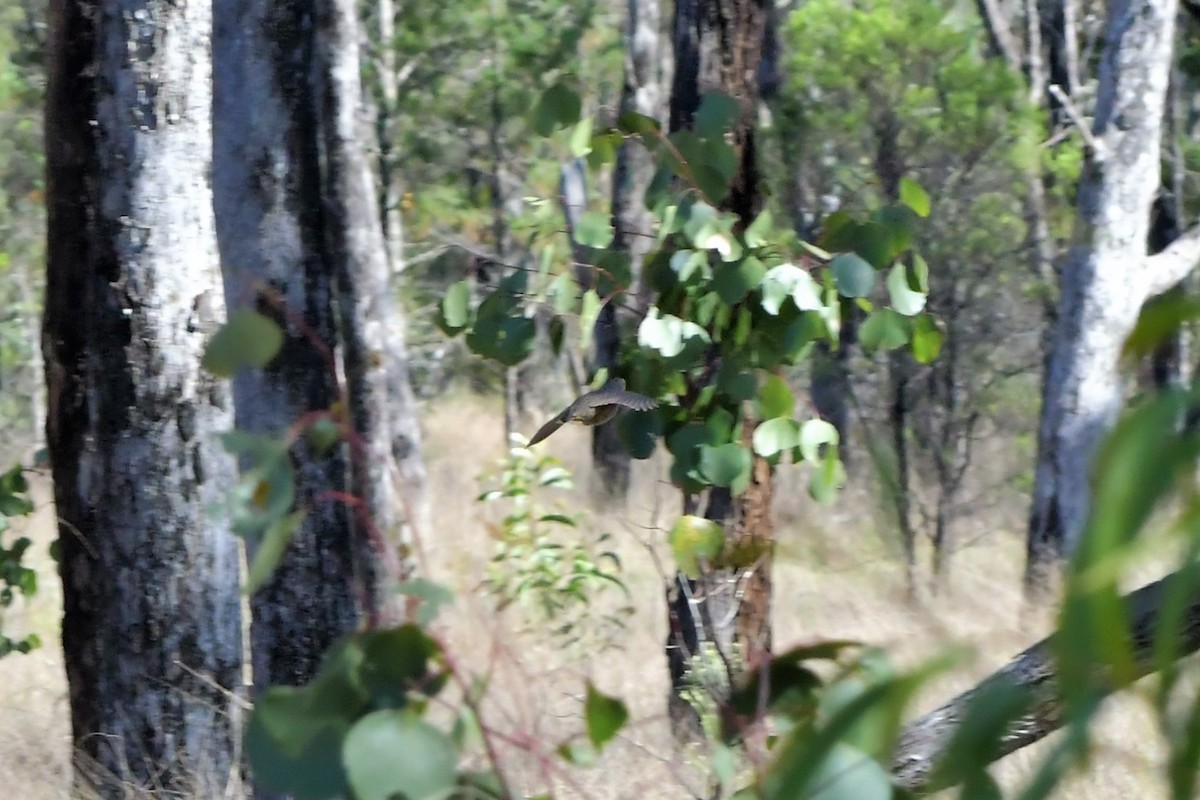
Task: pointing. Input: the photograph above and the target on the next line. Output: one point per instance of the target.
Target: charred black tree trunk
(270, 228)
(151, 626)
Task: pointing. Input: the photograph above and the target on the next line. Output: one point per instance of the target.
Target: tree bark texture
(644, 91)
(387, 469)
(151, 626)
(923, 741)
(270, 228)
(1107, 274)
(718, 45)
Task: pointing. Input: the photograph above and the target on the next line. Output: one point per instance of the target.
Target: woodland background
(929, 543)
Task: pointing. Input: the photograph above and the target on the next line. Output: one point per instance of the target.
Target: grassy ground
(835, 578)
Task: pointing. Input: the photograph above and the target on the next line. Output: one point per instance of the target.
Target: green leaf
(604, 716)
(312, 770)
(732, 282)
(637, 124)
(669, 335)
(556, 108)
(686, 263)
(456, 307)
(433, 596)
(827, 479)
(815, 434)
(580, 143)
(640, 432)
(976, 741)
(322, 435)
(914, 196)
(854, 276)
(501, 331)
(727, 465)
(735, 383)
(879, 242)
(904, 300)
(587, 317)
(927, 339)
(580, 754)
(775, 436)
(595, 229)
(757, 232)
(717, 114)
(789, 280)
(920, 274)
(247, 340)
(271, 549)
(1160, 318)
(396, 753)
(693, 539)
(883, 330)
(775, 398)
(396, 662)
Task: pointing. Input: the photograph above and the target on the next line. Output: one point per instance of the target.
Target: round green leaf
(926, 340)
(588, 315)
(758, 232)
(557, 107)
(322, 435)
(775, 436)
(904, 300)
(456, 306)
(581, 138)
(270, 549)
(727, 465)
(396, 753)
(789, 280)
(694, 538)
(883, 330)
(310, 771)
(716, 115)
(595, 229)
(913, 195)
(815, 433)
(247, 339)
(732, 282)
(854, 276)
(604, 715)
(396, 661)
(669, 335)
(640, 432)
(847, 774)
(775, 399)
(827, 479)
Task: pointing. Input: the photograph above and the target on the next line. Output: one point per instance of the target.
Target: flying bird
(596, 408)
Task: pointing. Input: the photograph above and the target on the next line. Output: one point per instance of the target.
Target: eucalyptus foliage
(733, 306)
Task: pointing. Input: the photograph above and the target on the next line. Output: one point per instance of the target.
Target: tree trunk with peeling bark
(267, 193)
(1107, 275)
(718, 47)
(151, 626)
(387, 471)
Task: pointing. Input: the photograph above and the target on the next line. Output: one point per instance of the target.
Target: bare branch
(1173, 264)
(924, 740)
(1085, 131)
(1000, 36)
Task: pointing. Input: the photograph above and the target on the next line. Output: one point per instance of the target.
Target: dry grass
(834, 578)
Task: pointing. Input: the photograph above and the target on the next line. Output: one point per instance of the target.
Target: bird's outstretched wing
(615, 393)
(551, 426)
(638, 402)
